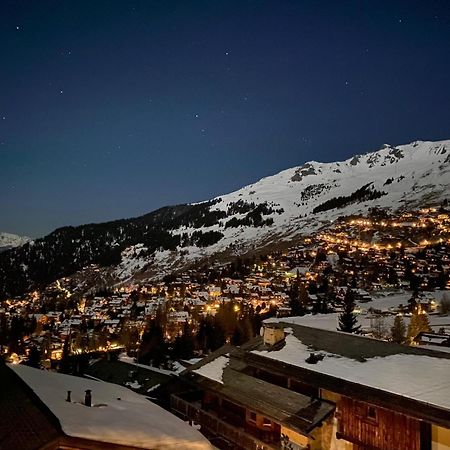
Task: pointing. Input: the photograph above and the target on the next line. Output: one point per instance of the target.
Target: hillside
(278, 208)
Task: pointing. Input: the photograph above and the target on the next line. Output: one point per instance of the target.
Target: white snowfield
(8, 240)
(413, 175)
(117, 416)
(422, 378)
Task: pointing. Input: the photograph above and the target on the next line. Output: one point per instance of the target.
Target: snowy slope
(406, 176)
(275, 210)
(8, 240)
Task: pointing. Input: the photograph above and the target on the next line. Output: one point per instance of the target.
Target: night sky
(110, 109)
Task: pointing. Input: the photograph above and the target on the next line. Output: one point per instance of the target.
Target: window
(252, 416)
(266, 422)
(371, 413)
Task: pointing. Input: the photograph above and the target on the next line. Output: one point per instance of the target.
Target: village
(395, 265)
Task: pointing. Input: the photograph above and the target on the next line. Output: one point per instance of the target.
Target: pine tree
(183, 346)
(210, 335)
(65, 358)
(398, 330)
(153, 345)
(347, 320)
(419, 323)
(34, 357)
(295, 302)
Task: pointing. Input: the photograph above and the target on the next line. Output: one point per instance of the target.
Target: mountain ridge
(275, 209)
(9, 240)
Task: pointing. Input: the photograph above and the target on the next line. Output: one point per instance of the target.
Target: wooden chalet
(249, 398)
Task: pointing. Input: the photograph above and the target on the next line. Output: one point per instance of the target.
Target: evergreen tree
(347, 320)
(398, 330)
(65, 364)
(303, 296)
(34, 357)
(153, 346)
(419, 323)
(183, 346)
(295, 301)
(4, 332)
(210, 335)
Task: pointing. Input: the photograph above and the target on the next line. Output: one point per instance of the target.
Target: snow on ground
(133, 259)
(365, 319)
(8, 240)
(422, 378)
(214, 369)
(118, 415)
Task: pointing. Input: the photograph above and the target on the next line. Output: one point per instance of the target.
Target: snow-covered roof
(415, 376)
(117, 416)
(214, 369)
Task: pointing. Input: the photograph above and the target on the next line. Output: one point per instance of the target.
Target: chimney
(68, 396)
(87, 397)
(273, 333)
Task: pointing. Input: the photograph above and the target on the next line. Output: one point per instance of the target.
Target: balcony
(209, 420)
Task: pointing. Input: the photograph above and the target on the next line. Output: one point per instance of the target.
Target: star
(227, 53)
(17, 28)
(61, 91)
(196, 116)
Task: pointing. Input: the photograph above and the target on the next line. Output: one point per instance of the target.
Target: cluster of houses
(372, 255)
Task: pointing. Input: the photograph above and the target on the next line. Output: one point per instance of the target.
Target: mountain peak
(8, 240)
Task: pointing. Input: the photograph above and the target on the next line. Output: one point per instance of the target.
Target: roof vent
(68, 399)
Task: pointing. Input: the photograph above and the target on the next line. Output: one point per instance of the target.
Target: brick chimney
(87, 397)
(273, 333)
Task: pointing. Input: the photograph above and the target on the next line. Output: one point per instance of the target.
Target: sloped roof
(117, 416)
(25, 422)
(282, 405)
(118, 372)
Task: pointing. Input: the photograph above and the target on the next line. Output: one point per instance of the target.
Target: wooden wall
(376, 428)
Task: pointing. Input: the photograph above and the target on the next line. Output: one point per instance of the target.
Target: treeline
(254, 214)
(69, 249)
(362, 194)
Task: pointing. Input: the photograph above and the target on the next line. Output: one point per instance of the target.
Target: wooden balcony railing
(192, 411)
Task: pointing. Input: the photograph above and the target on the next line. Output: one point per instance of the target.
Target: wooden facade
(373, 428)
(216, 423)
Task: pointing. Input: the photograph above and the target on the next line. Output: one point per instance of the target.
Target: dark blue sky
(110, 109)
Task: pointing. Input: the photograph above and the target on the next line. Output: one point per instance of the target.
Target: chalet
(52, 411)
(297, 387)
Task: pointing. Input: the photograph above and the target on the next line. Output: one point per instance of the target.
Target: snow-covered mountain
(8, 240)
(276, 209)
(302, 199)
